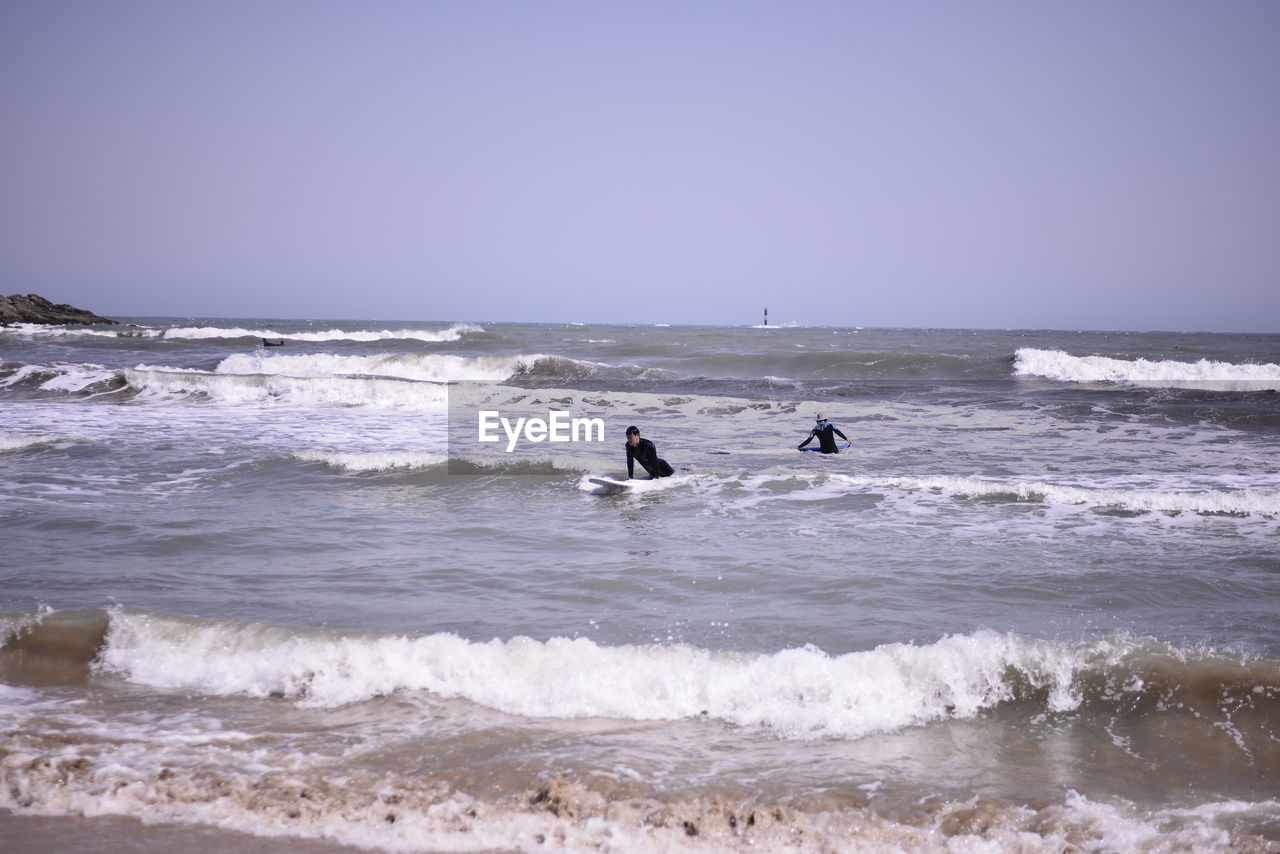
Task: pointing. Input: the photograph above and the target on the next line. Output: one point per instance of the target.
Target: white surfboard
(609, 486)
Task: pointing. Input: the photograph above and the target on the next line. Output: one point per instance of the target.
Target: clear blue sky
(1073, 164)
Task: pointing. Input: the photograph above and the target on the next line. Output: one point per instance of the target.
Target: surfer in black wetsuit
(643, 451)
(826, 433)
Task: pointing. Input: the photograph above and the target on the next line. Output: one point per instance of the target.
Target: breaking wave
(452, 333)
(1063, 367)
(60, 378)
(410, 366)
(23, 442)
(192, 768)
(800, 693)
(412, 380)
(379, 461)
(239, 389)
(40, 330)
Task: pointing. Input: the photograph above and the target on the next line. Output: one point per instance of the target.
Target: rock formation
(34, 308)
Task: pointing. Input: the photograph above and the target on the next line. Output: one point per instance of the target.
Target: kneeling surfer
(643, 450)
(826, 433)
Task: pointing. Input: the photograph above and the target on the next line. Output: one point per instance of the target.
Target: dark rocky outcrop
(33, 308)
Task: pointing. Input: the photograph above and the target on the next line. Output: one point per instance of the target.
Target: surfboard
(609, 486)
(816, 448)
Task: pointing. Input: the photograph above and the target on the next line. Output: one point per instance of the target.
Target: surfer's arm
(807, 440)
(631, 463)
(841, 435)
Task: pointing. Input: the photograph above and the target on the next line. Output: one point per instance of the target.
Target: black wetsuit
(826, 433)
(647, 455)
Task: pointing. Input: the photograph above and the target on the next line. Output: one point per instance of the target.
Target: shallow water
(286, 591)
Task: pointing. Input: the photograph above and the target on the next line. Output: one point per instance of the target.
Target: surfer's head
(633, 435)
(821, 416)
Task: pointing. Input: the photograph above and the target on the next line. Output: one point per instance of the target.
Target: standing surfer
(644, 452)
(826, 433)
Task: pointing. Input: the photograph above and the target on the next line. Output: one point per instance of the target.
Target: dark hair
(633, 429)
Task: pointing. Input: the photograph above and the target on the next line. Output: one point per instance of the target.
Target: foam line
(1063, 367)
(797, 693)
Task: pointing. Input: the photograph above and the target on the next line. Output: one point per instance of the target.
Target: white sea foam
(79, 378)
(796, 693)
(40, 330)
(1063, 367)
(60, 376)
(278, 795)
(374, 461)
(190, 767)
(414, 366)
(1233, 502)
(406, 381)
(14, 697)
(403, 380)
(378, 461)
(177, 384)
(1236, 502)
(452, 333)
(639, 486)
(23, 441)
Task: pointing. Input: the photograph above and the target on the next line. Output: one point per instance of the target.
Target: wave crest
(437, 462)
(1063, 367)
(451, 333)
(429, 367)
(799, 693)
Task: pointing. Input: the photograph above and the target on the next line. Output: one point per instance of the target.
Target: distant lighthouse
(766, 315)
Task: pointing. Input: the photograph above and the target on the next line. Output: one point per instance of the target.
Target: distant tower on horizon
(766, 315)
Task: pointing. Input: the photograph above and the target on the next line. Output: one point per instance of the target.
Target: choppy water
(286, 591)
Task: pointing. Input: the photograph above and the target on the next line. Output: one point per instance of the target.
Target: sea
(357, 590)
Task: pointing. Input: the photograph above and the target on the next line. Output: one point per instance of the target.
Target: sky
(959, 163)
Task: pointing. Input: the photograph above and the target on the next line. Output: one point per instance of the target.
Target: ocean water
(284, 598)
